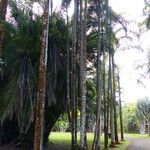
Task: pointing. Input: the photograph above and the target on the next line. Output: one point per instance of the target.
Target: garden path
(138, 144)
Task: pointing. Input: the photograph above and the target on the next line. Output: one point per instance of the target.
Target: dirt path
(138, 144)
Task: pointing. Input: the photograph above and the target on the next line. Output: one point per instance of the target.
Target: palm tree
(74, 76)
(96, 142)
(110, 89)
(120, 107)
(110, 93)
(41, 95)
(65, 4)
(3, 11)
(68, 68)
(106, 107)
(83, 145)
(20, 84)
(114, 98)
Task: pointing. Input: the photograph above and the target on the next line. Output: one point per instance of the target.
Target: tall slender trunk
(111, 100)
(3, 11)
(148, 128)
(74, 77)
(110, 80)
(83, 145)
(106, 107)
(96, 141)
(105, 102)
(107, 115)
(120, 109)
(41, 95)
(68, 68)
(114, 100)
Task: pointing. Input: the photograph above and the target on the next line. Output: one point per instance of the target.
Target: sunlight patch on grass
(60, 138)
(64, 138)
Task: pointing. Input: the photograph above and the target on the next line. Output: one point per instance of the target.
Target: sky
(132, 10)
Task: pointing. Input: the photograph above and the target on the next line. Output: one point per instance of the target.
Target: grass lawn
(143, 136)
(64, 139)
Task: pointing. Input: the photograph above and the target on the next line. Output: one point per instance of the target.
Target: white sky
(132, 10)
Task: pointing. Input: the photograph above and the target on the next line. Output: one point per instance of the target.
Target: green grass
(63, 138)
(122, 146)
(143, 136)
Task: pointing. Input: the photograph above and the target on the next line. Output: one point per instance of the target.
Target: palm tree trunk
(3, 11)
(74, 77)
(107, 116)
(111, 100)
(120, 109)
(114, 100)
(83, 145)
(148, 127)
(68, 68)
(96, 141)
(106, 100)
(110, 80)
(41, 95)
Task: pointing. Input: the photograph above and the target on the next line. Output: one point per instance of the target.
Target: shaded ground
(138, 144)
(48, 147)
(57, 147)
(61, 141)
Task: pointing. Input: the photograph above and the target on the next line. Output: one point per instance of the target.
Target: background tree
(130, 119)
(143, 111)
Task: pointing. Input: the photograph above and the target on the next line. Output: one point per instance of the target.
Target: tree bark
(83, 145)
(41, 94)
(110, 80)
(106, 100)
(114, 100)
(111, 101)
(68, 68)
(120, 109)
(96, 141)
(74, 77)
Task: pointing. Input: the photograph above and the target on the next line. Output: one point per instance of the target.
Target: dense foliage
(136, 116)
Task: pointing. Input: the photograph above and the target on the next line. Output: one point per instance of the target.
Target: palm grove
(44, 70)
